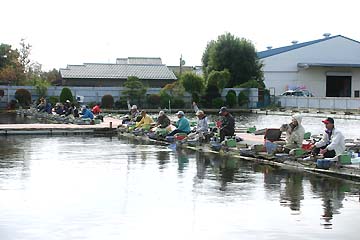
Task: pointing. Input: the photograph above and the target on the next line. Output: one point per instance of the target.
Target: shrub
(107, 101)
(231, 98)
(12, 104)
(178, 103)
(23, 96)
(66, 95)
(217, 102)
(153, 100)
(91, 104)
(164, 99)
(211, 93)
(121, 103)
(243, 99)
(53, 100)
(195, 97)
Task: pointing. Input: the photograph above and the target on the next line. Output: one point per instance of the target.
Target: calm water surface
(311, 124)
(102, 188)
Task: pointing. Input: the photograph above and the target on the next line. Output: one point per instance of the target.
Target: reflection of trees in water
(224, 169)
(293, 192)
(332, 193)
(289, 184)
(12, 156)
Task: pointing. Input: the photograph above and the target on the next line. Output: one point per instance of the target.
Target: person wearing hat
(134, 114)
(86, 113)
(332, 142)
(202, 125)
(295, 133)
(182, 125)
(146, 120)
(163, 121)
(227, 127)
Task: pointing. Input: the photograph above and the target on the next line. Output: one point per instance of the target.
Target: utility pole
(182, 63)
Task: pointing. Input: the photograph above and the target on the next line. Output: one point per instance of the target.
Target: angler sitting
(227, 127)
(163, 121)
(182, 125)
(294, 133)
(146, 120)
(201, 130)
(332, 142)
(86, 113)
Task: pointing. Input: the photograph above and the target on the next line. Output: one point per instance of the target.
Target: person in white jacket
(295, 133)
(201, 130)
(332, 142)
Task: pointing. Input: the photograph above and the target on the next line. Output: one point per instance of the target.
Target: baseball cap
(180, 113)
(223, 109)
(200, 112)
(328, 120)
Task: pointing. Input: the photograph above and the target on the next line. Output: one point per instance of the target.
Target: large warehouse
(327, 67)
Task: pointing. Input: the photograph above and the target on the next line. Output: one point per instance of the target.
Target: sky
(64, 32)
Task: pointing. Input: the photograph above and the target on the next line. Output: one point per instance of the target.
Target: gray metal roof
(139, 60)
(118, 71)
(275, 51)
(349, 65)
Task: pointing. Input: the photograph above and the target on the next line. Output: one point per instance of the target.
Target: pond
(114, 188)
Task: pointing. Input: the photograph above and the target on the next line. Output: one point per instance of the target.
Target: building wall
(281, 71)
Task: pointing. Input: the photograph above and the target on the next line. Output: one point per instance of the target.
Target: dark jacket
(163, 121)
(228, 122)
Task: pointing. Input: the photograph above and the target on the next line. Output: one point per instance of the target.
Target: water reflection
(332, 194)
(126, 185)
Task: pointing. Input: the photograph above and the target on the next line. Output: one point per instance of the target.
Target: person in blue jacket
(182, 125)
(86, 113)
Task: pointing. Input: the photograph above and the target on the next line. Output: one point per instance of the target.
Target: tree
(11, 70)
(237, 55)
(25, 50)
(134, 89)
(41, 86)
(219, 79)
(231, 98)
(175, 89)
(211, 93)
(52, 76)
(192, 83)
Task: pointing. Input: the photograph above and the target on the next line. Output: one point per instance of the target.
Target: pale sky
(64, 32)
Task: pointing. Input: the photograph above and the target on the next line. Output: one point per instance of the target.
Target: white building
(327, 67)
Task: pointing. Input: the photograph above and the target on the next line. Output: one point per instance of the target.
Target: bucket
(270, 147)
(230, 142)
(170, 139)
(323, 163)
(344, 159)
